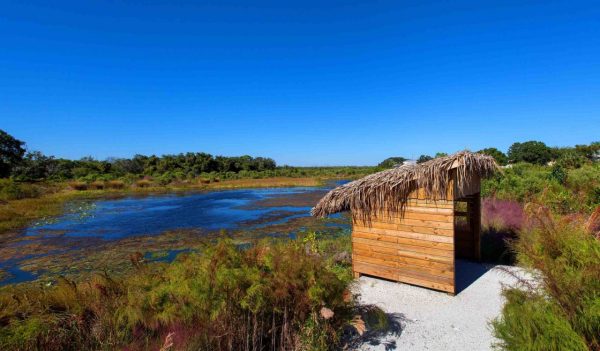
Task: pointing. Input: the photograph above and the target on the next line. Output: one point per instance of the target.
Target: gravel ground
(434, 320)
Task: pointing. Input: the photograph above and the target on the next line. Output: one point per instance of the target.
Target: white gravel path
(434, 320)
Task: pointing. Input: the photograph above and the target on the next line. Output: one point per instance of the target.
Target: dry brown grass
(77, 185)
(116, 184)
(264, 183)
(390, 189)
(97, 185)
(143, 183)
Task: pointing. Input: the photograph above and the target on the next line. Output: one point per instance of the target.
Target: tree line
(16, 162)
(19, 164)
(534, 152)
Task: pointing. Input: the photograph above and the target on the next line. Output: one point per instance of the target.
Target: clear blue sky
(304, 82)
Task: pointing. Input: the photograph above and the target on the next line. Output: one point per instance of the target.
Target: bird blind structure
(410, 223)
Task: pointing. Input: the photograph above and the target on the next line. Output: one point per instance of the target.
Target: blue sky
(304, 82)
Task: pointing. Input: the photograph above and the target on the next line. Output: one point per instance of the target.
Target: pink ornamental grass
(502, 214)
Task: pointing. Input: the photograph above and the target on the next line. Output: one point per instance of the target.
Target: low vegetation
(561, 189)
(291, 295)
(558, 308)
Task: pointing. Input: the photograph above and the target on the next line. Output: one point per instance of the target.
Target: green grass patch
(276, 293)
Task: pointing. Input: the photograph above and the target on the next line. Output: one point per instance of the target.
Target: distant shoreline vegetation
(23, 166)
(33, 185)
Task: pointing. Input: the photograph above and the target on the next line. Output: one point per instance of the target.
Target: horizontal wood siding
(416, 247)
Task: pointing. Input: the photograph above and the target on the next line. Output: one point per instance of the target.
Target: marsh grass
(11, 190)
(264, 182)
(143, 183)
(115, 184)
(267, 297)
(97, 185)
(16, 214)
(78, 185)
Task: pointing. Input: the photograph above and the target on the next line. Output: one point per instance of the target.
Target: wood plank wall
(416, 249)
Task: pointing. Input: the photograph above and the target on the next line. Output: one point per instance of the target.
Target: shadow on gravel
(381, 328)
(467, 273)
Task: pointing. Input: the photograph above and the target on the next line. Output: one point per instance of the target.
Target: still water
(89, 223)
(116, 219)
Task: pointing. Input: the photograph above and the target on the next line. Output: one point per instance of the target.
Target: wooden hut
(411, 222)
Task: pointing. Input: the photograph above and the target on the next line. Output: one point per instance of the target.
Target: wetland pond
(102, 234)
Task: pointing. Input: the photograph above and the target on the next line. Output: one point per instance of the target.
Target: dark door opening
(467, 222)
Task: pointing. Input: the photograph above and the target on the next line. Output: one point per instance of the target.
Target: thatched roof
(389, 190)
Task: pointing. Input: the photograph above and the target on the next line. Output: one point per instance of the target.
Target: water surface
(119, 225)
(115, 219)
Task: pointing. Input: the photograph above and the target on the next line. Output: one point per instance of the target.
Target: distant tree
(392, 162)
(571, 158)
(134, 165)
(424, 158)
(498, 155)
(11, 153)
(591, 151)
(35, 166)
(440, 154)
(263, 164)
(530, 151)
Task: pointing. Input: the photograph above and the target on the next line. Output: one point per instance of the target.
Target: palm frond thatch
(389, 190)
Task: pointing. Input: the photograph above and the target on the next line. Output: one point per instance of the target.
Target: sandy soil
(432, 320)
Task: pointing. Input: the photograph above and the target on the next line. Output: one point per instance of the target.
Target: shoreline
(16, 215)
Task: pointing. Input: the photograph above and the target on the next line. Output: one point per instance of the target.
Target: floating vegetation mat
(49, 251)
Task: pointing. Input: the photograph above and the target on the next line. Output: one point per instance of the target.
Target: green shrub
(270, 295)
(571, 159)
(562, 190)
(559, 174)
(562, 305)
(11, 190)
(532, 323)
(167, 178)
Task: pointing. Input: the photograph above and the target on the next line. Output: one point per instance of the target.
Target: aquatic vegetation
(51, 251)
(19, 213)
(51, 197)
(270, 295)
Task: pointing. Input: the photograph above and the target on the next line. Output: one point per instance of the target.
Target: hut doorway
(467, 227)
